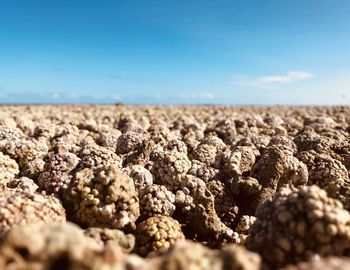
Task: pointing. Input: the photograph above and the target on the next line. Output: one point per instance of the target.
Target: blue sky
(175, 51)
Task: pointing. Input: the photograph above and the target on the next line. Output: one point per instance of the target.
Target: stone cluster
(147, 187)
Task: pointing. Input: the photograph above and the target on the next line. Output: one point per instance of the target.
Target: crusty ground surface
(174, 187)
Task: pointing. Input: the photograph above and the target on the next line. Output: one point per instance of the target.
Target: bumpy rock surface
(141, 176)
(8, 168)
(117, 238)
(22, 208)
(328, 263)
(277, 168)
(56, 175)
(48, 246)
(105, 197)
(296, 225)
(157, 233)
(213, 174)
(156, 200)
(197, 205)
(190, 255)
(21, 184)
(169, 167)
(329, 174)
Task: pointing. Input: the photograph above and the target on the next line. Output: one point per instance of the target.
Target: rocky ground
(201, 187)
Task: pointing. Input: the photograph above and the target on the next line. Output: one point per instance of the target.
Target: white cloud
(115, 97)
(55, 96)
(156, 96)
(272, 82)
(203, 95)
(206, 95)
